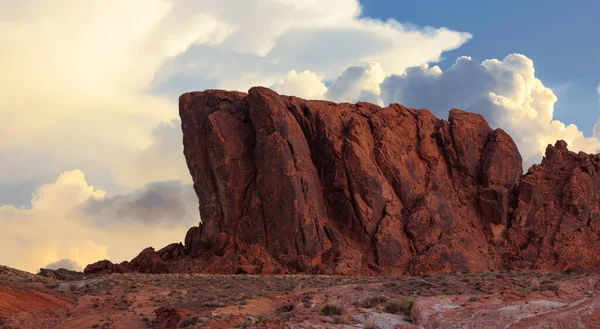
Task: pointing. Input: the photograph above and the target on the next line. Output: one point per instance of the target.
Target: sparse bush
(188, 322)
(472, 299)
(393, 308)
(403, 305)
(373, 301)
(286, 315)
(551, 287)
(285, 308)
(52, 285)
(306, 298)
(244, 324)
(341, 320)
(329, 310)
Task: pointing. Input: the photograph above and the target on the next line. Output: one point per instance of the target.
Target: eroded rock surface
(316, 186)
(288, 185)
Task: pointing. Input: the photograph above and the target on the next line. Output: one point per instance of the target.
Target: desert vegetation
(259, 301)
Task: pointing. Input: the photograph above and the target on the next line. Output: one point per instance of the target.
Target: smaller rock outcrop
(556, 222)
(149, 261)
(174, 251)
(106, 267)
(62, 274)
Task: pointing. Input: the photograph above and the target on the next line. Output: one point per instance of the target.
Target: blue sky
(561, 37)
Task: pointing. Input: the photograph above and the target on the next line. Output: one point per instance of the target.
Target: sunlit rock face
(289, 185)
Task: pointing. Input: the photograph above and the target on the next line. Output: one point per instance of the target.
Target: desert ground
(486, 300)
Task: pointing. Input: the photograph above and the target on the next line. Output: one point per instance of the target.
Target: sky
(91, 163)
(566, 55)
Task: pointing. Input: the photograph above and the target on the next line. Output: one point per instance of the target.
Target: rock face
(105, 266)
(288, 185)
(556, 223)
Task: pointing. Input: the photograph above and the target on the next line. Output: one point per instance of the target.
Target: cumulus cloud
(357, 83)
(71, 85)
(304, 85)
(168, 204)
(271, 38)
(64, 263)
(162, 160)
(505, 91)
(56, 228)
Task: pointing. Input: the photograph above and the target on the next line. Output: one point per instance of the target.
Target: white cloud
(271, 38)
(70, 92)
(56, 227)
(357, 83)
(304, 85)
(506, 92)
(162, 160)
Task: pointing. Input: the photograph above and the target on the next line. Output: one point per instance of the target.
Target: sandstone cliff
(289, 185)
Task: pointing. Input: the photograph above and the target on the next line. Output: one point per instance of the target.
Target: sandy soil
(487, 300)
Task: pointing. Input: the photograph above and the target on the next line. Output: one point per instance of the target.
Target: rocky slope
(288, 185)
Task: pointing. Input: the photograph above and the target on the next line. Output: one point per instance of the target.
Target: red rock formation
(290, 185)
(174, 251)
(106, 266)
(556, 223)
(345, 188)
(149, 261)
